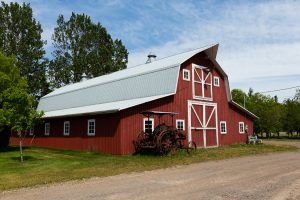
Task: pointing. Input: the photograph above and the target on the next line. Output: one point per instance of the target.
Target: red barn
(103, 113)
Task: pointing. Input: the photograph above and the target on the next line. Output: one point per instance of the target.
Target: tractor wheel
(191, 147)
(138, 142)
(166, 143)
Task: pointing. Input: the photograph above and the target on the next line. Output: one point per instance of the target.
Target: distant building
(103, 113)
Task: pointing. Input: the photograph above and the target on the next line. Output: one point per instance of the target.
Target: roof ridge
(176, 54)
(93, 81)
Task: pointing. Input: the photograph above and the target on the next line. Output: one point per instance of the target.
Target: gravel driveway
(271, 176)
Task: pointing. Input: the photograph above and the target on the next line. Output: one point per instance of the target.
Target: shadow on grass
(31, 158)
(12, 148)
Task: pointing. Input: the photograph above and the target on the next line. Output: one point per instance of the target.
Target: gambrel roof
(122, 89)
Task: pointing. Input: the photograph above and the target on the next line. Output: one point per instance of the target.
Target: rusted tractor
(163, 140)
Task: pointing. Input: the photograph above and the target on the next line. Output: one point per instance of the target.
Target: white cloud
(262, 60)
(257, 38)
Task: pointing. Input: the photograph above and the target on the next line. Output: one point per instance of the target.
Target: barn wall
(132, 121)
(106, 139)
(115, 133)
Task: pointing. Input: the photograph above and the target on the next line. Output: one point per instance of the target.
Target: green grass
(43, 165)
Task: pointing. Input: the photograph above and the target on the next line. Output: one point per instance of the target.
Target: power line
(280, 89)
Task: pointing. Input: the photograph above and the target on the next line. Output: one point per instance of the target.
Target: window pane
(91, 127)
(180, 125)
(148, 125)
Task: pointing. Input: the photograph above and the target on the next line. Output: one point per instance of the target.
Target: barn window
(202, 82)
(47, 128)
(66, 128)
(241, 127)
(186, 75)
(148, 125)
(223, 127)
(31, 131)
(91, 127)
(180, 124)
(216, 81)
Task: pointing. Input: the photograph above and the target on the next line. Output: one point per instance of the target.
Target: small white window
(31, 131)
(66, 128)
(241, 127)
(186, 74)
(91, 127)
(216, 81)
(148, 125)
(180, 124)
(47, 128)
(223, 127)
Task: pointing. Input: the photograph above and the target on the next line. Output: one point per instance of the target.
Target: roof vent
(83, 77)
(151, 57)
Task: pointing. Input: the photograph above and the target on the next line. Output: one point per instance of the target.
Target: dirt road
(272, 176)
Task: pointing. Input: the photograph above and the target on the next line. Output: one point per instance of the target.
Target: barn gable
(120, 90)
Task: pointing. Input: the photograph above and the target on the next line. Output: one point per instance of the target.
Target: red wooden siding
(115, 132)
(106, 139)
(132, 120)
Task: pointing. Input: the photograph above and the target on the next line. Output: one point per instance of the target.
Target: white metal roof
(174, 60)
(121, 89)
(110, 107)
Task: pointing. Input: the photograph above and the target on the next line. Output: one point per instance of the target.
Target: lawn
(43, 165)
(282, 138)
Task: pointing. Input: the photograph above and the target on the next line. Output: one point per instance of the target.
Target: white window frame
(183, 123)
(223, 132)
(202, 82)
(88, 127)
(67, 123)
(31, 131)
(188, 72)
(243, 125)
(218, 81)
(47, 128)
(144, 123)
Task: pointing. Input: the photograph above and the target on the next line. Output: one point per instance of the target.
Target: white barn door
(203, 124)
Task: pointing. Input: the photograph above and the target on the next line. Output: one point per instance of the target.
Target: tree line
(274, 117)
(81, 46)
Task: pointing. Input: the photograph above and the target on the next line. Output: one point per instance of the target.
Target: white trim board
(203, 123)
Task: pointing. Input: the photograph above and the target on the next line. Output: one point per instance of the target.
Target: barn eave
(111, 107)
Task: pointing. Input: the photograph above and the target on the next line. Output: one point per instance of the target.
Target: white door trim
(204, 123)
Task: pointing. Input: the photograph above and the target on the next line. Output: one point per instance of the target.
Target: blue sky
(259, 40)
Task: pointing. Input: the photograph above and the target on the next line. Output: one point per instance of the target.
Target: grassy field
(42, 165)
(283, 136)
(283, 139)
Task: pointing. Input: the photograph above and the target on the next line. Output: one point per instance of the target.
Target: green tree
(265, 107)
(269, 112)
(297, 119)
(17, 111)
(292, 114)
(20, 35)
(82, 46)
(297, 95)
(238, 96)
(290, 121)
